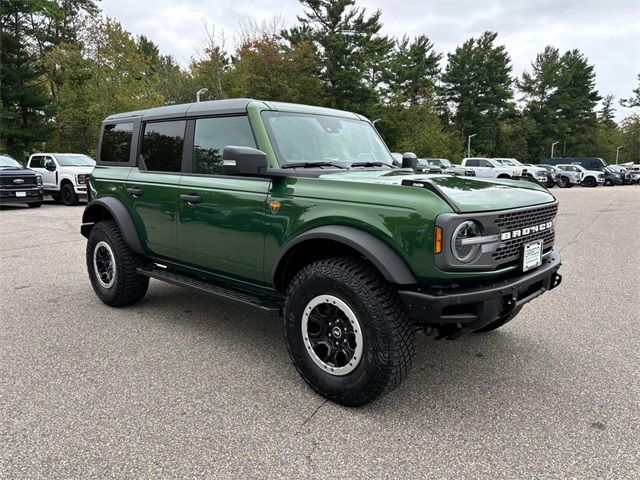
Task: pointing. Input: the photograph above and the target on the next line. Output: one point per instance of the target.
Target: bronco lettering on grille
(526, 231)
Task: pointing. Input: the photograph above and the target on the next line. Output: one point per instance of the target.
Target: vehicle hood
(75, 170)
(9, 172)
(466, 194)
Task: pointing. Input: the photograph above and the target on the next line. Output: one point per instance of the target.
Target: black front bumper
(32, 195)
(469, 309)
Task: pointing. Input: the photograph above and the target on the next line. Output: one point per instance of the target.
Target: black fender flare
(120, 214)
(388, 262)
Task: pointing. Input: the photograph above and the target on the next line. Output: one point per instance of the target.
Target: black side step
(270, 306)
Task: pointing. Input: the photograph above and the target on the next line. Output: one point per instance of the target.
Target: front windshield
(75, 161)
(7, 161)
(313, 138)
(445, 162)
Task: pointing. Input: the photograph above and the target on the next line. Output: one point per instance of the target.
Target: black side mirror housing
(409, 160)
(244, 161)
(51, 167)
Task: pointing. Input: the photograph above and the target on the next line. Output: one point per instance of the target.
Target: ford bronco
(300, 212)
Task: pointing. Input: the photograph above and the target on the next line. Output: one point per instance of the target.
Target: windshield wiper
(370, 164)
(311, 165)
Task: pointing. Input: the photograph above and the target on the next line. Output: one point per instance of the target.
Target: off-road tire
(69, 196)
(388, 331)
(590, 182)
(35, 204)
(128, 286)
(500, 321)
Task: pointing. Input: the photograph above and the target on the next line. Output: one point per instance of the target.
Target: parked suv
(19, 184)
(64, 175)
(588, 178)
(299, 211)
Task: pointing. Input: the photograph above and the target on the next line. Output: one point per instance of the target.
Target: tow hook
(555, 281)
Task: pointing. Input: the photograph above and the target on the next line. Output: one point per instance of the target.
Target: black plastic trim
(388, 262)
(120, 214)
(484, 303)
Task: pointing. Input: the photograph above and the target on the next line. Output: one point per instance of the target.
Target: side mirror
(244, 161)
(409, 160)
(50, 166)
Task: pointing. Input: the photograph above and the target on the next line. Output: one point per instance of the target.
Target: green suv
(300, 212)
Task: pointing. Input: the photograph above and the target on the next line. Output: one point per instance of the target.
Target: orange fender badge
(274, 205)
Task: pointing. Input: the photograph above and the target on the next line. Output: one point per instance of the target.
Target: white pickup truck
(588, 178)
(492, 168)
(64, 174)
(539, 173)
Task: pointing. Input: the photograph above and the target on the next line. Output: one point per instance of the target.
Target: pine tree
(26, 107)
(478, 84)
(607, 112)
(350, 50)
(413, 70)
(633, 101)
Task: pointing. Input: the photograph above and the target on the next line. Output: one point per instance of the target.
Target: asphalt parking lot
(186, 385)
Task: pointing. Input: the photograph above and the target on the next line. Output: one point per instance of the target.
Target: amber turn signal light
(437, 244)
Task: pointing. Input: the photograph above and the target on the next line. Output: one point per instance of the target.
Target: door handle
(135, 192)
(191, 199)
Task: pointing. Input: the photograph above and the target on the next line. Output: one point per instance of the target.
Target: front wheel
(113, 266)
(69, 196)
(347, 331)
(590, 182)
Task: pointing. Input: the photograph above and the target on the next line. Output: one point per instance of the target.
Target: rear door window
(473, 163)
(162, 145)
(116, 142)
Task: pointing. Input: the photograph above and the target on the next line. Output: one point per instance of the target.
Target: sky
(606, 31)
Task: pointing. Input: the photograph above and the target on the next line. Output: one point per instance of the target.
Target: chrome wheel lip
(112, 259)
(348, 313)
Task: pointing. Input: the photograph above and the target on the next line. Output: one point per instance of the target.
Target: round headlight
(466, 252)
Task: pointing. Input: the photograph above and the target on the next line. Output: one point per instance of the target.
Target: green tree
(24, 117)
(350, 51)
(477, 83)
(413, 70)
(269, 67)
(633, 101)
(606, 114)
(560, 99)
(108, 75)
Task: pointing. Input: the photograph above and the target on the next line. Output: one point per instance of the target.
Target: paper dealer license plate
(532, 255)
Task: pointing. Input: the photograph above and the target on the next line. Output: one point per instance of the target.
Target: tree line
(64, 67)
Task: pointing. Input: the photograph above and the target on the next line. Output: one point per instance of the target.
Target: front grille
(510, 250)
(8, 181)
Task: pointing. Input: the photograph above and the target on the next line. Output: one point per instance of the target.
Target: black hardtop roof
(221, 107)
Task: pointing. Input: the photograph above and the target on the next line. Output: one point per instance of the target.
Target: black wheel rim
(332, 335)
(104, 264)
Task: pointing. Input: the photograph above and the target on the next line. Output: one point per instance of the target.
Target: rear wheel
(500, 321)
(347, 331)
(563, 182)
(503, 176)
(69, 196)
(113, 266)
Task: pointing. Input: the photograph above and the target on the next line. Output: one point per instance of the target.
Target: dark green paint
(233, 233)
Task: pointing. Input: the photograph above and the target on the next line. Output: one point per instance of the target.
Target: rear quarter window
(116, 142)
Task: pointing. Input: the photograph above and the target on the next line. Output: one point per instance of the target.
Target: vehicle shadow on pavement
(472, 369)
